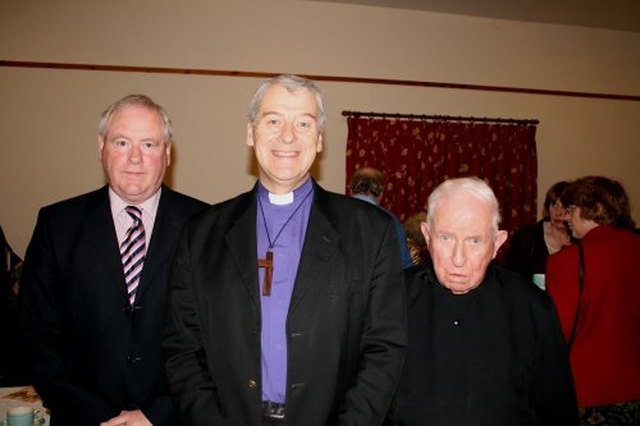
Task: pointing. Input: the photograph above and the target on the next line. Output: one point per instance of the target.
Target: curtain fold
(417, 155)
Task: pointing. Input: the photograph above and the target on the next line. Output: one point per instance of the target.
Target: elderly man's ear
(501, 237)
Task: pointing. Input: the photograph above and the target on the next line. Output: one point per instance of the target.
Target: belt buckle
(273, 410)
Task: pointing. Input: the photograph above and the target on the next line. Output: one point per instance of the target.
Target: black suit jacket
(92, 355)
(346, 324)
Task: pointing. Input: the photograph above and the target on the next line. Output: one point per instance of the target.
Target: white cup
(22, 416)
(539, 280)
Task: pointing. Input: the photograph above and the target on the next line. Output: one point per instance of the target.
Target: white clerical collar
(281, 199)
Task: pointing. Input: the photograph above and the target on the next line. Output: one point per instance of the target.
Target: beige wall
(48, 117)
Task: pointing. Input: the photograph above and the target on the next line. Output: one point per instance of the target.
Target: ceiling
(622, 15)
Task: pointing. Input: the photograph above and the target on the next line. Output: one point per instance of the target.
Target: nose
(135, 154)
(288, 133)
(459, 256)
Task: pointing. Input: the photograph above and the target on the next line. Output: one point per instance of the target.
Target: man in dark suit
(93, 331)
(367, 184)
(287, 303)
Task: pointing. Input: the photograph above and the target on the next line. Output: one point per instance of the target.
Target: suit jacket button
(132, 359)
(252, 384)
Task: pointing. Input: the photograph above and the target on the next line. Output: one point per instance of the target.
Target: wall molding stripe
(336, 79)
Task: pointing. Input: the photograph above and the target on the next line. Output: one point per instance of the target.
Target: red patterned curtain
(417, 155)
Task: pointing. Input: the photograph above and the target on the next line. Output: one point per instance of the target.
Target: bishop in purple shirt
(287, 303)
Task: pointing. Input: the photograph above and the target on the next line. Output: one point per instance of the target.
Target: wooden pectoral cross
(267, 264)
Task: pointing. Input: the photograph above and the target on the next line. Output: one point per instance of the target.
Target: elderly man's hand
(128, 418)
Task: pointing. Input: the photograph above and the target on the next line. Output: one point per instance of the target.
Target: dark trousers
(267, 421)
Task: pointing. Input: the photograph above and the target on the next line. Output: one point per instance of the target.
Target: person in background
(367, 184)
(601, 320)
(12, 369)
(531, 245)
(416, 243)
(287, 304)
(91, 324)
(485, 346)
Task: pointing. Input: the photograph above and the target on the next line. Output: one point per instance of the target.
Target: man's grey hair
(135, 100)
(472, 185)
(292, 83)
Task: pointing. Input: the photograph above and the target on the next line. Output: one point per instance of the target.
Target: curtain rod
(358, 114)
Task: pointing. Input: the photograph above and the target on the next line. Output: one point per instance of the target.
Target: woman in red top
(605, 345)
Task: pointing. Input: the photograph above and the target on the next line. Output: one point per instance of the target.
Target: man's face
(462, 241)
(134, 154)
(285, 138)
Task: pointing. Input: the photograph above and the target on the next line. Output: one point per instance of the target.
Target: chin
(459, 289)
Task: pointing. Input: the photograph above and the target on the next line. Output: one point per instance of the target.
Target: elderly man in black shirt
(485, 346)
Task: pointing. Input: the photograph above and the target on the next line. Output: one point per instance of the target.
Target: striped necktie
(132, 251)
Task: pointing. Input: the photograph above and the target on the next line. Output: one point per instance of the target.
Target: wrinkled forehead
(463, 213)
(278, 97)
(134, 117)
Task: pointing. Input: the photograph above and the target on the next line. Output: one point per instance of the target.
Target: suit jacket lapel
(320, 242)
(243, 231)
(166, 230)
(102, 233)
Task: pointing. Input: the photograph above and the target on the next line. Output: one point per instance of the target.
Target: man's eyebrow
(123, 136)
(117, 136)
(304, 114)
(265, 113)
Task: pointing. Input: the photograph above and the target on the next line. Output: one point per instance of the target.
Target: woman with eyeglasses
(531, 245)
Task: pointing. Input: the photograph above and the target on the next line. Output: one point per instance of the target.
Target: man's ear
(425, 232)
(100, 147)
(249, 139)
(501, 238)
(168, 147)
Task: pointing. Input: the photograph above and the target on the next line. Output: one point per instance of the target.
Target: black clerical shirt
(494, 356)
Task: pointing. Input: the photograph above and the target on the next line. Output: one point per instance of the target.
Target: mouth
(457, 278)
(285, 154)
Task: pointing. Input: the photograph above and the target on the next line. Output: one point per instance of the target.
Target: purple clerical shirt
(286, 218)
